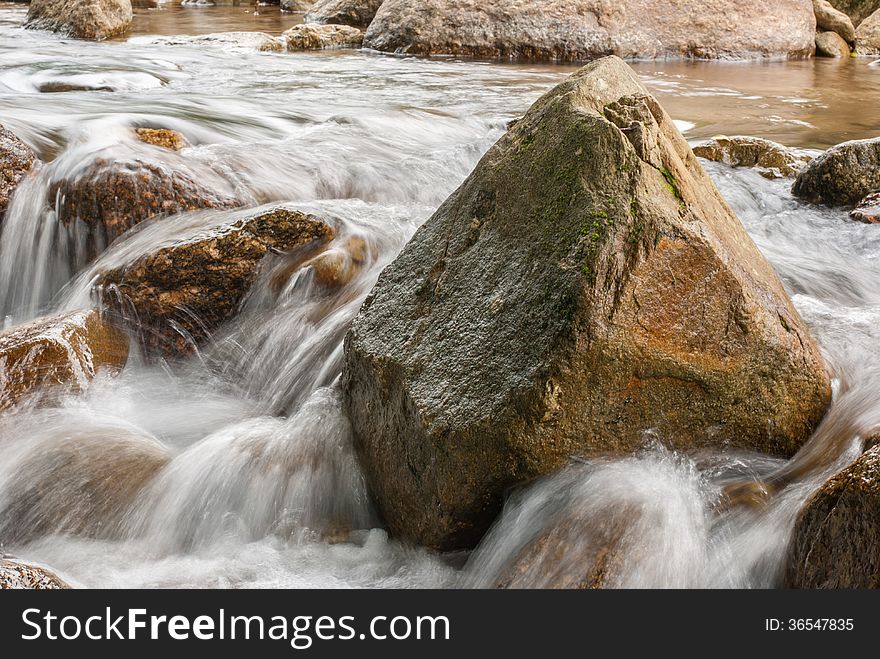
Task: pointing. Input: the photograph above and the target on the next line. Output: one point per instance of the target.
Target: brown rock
(574, 30)
(836, 540)
(857, 10)
(586, 283)
(177, 296)
(16, 160)
(82, 19)
(17, 575)
(357, 13)
(62, 350)
(296, 6)
(162, 137)
(318, 37)
(831, 44)
(831, 20)
(111, 195)
(868, 210)
(868, 35)
(772, 160)
(843, 175)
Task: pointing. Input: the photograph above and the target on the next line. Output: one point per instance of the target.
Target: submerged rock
(318, 37)
(176, 296)
(843, 175)
(831, 44)
(586, 283)
(238, 41)
(771, 159)
(868, 210)
(586, 29)
(832, 20)
(82, 19)
(111, 195)
(162, 137)
(16, 160)
(62, 350)
(836, 540)
(358, 13)
(868, 35)
(18, 575)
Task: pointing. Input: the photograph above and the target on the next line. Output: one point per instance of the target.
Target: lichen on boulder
(175, 297)
(586, 283)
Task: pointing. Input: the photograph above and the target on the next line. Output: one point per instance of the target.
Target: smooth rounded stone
(63, 350)
(296, 6)
(585, 284)
(162, 137)
(357, 13)
(831, 44)
(16, 160)
(843, 175)
(18, 575)
(319, 37)
(771, 159)
(111, 195)
(573, 30)
(868, 210)
(82, 482)
(857, 10)
(868, 36)
(829, 19)
(836, 539)
(175, 297)
(82, 19)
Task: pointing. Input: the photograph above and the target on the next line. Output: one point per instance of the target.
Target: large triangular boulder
(585, 284)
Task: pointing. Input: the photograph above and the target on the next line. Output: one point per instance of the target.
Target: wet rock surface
(319, 37)
(18, 575)
(535, 316)
(868, 210)
(162, 137)
(357, 13)
(16, 160)
(176, 297)
(82, 19)
(771, 159)
(843, 175)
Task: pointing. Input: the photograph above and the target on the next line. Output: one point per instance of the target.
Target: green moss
(672, 185)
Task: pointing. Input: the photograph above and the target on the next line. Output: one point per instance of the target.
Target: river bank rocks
(586, 283)
(829, 19)
(63, 350)
(857, 10)
(16, 160)
(868, 210)
(174, 298)
(319, 37)
(357, 13)
(296, 6)
(836, 541)
(771, 159)
(843, 175)
(831, 44)
(81, 19)
(586, 29)
(115, 192)
(18, 575)
(868, 35)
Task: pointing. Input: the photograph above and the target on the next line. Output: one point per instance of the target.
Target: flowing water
(235, 468)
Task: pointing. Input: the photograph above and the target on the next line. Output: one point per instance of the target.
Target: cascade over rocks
(868, 210)
(843, 175)
(357, 13)
(571, 30)
(16, 160)
(836, 541)
(62, 350)
(585, 284)
(175, 297)
(82, 19)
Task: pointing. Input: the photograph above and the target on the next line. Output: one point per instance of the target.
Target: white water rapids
(235, 468)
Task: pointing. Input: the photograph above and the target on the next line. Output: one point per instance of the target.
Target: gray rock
(357, 13)
(843, 175)
(83, 19)
(586, 283)
(586, 29)
(836, 541)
